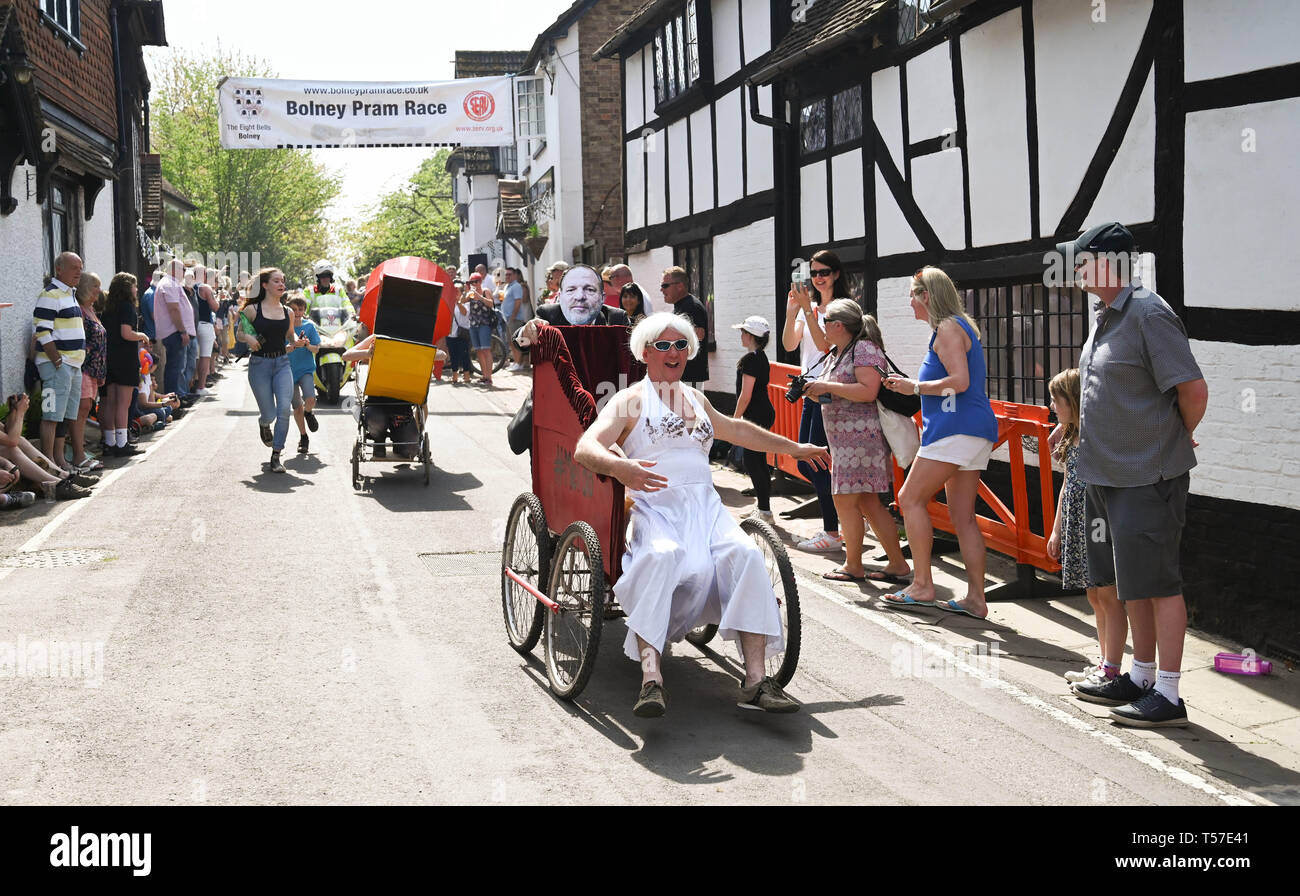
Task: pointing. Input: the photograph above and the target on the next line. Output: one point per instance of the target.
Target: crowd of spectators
(106, 367)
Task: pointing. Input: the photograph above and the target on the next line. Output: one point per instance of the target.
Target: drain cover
(54, 559)
(465, 564)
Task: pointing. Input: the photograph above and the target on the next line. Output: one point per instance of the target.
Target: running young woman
(264, 328)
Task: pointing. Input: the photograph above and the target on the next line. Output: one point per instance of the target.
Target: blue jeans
(175, 369)
(480, 337)
(271, 380)
(811, 429)
(191, 363)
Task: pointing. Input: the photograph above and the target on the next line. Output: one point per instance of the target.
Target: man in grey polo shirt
(1142, 396)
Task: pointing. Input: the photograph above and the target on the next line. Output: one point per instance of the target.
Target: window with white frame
(65, 15)
(530, 107)
(677, 54)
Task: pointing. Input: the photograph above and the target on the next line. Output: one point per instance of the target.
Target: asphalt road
(252, 638)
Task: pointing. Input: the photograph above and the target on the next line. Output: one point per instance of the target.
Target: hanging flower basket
(535, 245)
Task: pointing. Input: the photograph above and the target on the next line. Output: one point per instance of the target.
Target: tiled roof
(623, 33)
(827, 24)
(488, 63)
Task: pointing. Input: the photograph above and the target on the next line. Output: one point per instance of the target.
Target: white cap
(754, 325)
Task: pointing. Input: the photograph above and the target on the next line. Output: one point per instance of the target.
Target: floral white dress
(687, 562)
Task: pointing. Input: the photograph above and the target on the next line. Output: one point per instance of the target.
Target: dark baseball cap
(1112, 237)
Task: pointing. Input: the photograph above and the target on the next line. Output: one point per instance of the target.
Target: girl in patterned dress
(1068, 542)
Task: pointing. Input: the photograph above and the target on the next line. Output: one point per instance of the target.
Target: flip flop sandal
(839, 575)
(953, 607)
(906, 601)
(880, 575)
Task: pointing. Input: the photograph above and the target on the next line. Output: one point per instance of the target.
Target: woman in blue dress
(958, 432)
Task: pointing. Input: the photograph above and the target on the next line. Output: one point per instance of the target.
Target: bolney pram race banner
(262, 113)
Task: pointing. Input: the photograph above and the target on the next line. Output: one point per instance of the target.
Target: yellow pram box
(401, 369)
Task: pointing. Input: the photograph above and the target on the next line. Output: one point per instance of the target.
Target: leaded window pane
(812, 126)
(847, 115)
(692, 44)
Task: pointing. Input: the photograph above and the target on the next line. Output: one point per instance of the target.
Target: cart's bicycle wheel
(701, 635)
(526, 552)
(425, 456)
(577, 584)
(781, 574)
(356, 466)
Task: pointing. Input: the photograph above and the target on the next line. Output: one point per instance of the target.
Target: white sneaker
(1095, 678)
(1082, 674)
(515, 368)
(203, 393)
(821, 543)
(764, 515)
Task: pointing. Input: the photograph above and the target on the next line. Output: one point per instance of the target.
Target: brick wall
(602, 126)
(81, 84)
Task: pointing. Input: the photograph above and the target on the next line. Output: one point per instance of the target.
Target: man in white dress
(687, 563)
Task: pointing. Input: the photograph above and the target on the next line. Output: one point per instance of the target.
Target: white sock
(1167, 685)
(120, 435)
(1143, 674)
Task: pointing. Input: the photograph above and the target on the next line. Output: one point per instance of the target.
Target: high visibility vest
(335, 298)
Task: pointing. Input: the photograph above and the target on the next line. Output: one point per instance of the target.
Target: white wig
(652, 325)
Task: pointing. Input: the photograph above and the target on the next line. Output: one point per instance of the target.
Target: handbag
(899, 403)
(519, 431)
(901, 434)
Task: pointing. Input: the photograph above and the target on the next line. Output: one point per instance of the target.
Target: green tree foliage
(419, 219)
(267, 201)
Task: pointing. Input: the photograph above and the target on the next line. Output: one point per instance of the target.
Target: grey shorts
(1134, 536)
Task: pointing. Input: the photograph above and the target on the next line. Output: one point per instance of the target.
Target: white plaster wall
(893, 234)
(936, 186)
(758, 28)
(634, 172)
(482, 213)
(1071, 50)
(648, 87)
(1249, 445)
(22, 273)
(993, 70)
(648, 269)
(99, 244)
(759, 144)
(1229, 37)
(743, 273)
(1240, 208)
(634, 96)
(931, 109)
(846, 185)
(564, 149)
(726, 49)
(679, 164)
(656, 211)
(886, 108)
(1128, 192)
(702, 158)
(730, 160)
(813, 204)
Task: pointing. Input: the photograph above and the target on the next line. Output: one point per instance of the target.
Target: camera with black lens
(798, 382)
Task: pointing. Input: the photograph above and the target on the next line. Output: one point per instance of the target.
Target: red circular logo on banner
(479, 105)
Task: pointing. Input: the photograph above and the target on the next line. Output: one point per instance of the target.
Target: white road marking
(1180, 775)
(72, 508)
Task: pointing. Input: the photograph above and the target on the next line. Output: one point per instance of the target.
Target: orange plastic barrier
(787, 416)
(1009, 532)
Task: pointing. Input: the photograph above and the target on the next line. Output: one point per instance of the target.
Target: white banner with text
(261, 113)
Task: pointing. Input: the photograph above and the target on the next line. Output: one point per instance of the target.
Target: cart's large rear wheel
(781, 574)
(425, 456)
(573, 633)
(526, 552)
(356, 466)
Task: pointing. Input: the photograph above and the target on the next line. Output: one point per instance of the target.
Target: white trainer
(821, 543)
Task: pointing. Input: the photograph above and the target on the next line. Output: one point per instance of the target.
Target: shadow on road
(275, 483)
(400, 487)
(703, 728)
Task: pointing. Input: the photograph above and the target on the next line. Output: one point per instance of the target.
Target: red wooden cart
(564, 540)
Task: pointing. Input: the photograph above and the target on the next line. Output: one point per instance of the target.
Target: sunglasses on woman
(664, 344)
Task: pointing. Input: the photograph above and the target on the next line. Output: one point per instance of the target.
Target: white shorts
(207, 338)
(967, 452)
